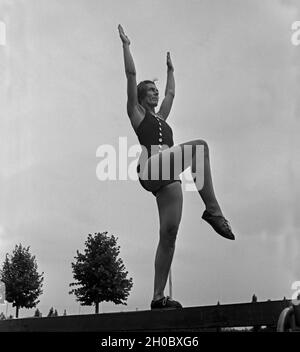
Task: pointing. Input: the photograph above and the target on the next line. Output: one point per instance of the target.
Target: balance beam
(189, 319)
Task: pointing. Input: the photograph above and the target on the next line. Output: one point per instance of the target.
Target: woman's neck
(149, 108)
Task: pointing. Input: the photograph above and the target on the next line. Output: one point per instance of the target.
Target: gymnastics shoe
(165, 303)
(219, 224)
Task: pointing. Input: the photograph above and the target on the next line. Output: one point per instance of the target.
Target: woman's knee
(168, 234)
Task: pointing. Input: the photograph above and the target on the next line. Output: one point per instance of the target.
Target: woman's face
(152, 95)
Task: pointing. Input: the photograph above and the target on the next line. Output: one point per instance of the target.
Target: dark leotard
(154, 134)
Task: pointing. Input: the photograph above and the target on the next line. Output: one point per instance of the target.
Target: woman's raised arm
(132, 99)
(166, 104)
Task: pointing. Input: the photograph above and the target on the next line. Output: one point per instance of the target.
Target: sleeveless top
(154, 134)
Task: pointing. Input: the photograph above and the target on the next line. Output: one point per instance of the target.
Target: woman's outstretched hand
(169, 62)
(123, 36)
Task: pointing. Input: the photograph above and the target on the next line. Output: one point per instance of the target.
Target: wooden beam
(186, 319)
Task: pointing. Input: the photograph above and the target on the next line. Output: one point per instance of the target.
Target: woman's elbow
(130, 73)
(171, 93)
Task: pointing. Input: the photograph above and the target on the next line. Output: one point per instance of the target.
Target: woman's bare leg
(207, 192)
(184, 160)
(169, 202)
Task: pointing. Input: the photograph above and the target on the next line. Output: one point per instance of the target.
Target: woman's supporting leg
(169, 202)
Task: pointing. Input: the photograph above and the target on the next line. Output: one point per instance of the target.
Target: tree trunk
(97, 307)
(17, 311)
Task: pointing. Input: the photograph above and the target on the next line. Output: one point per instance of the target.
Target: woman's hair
(142, 90)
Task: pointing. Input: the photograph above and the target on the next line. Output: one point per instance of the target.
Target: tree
(254, 298)
(21, 278)
(99, 273)
(51, 312)
(37, 313)
(2, 316)
(55, 313)
(65, 313)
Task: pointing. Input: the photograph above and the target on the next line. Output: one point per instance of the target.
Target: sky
(63, 95)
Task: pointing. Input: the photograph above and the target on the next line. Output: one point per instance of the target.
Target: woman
(156, 139)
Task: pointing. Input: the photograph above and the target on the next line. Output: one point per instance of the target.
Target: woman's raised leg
(207, 191)
(177, 159)
(180, 157)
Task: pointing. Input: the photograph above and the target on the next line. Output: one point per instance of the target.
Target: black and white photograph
(149, 168)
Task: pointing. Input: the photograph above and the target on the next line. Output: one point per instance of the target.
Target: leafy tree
(65, 313)
(21, 278)
(55, 313)
(2, 316)
(99, 273)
